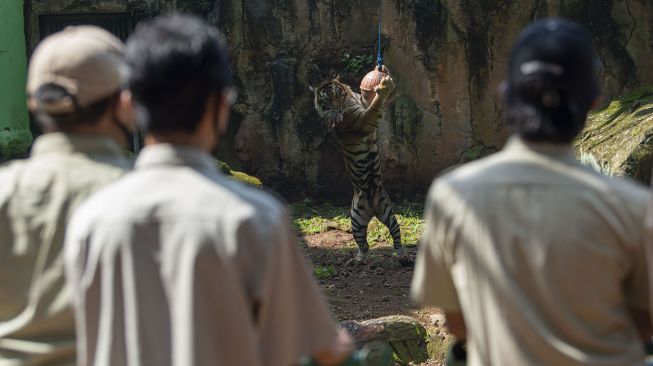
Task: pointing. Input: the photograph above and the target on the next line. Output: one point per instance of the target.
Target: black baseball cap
(557, 55)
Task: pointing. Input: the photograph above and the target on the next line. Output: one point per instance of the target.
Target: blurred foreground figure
(535, 258)
(177, 264)
(74, 91)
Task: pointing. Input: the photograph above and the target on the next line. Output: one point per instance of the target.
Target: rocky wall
(447, 58)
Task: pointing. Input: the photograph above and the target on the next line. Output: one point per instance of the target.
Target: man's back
(200, 270)
(37, 197)
(546, 257)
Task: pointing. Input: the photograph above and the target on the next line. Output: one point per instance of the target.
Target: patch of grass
(324, 272)
(312, 218)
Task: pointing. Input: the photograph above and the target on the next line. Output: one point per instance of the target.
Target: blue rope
(379, 57)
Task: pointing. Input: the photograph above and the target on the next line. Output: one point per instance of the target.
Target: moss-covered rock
(405, 336)
(618, 138)
(239, 176)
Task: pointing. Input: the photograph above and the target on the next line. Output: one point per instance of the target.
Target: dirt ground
(377, 288)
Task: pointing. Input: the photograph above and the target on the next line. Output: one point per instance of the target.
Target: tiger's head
(330, 97)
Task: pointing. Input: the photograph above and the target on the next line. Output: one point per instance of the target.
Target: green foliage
(471, 154)
(324, 272)
(357, 64)
(311, 218)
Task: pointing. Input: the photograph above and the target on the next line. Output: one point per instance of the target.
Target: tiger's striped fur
(355, 124)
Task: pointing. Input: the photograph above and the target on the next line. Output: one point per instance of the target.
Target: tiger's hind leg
(361, 214)
(385, 213)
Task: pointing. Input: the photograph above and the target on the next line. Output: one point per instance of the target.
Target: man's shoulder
(635, 194)
(78, 167)
(263, 205)
(8, 175)
(500, 167)
(472, 172)
(11, 168)
(180, 196)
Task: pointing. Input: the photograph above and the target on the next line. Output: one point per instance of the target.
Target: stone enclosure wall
(447, 58)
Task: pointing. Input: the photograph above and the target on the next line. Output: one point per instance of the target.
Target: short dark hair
(552, 80)
(89, 115)
(176, 63)
(541, 114)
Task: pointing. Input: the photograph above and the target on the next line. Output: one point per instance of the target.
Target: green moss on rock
(245, 178)
(619, 137)
(475, 152)
(239, 176)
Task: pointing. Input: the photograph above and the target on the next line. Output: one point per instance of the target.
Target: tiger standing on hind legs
(355, 119)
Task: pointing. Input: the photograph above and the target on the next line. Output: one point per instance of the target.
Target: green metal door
(15, 136)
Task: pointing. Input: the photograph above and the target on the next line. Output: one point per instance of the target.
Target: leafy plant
(357, 64)
(324, 272)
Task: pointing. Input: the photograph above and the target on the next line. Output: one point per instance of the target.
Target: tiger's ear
(311, 88)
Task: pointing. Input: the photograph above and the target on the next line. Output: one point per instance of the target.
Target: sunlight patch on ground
(313, 218)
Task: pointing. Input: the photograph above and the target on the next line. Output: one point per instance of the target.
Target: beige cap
(87, 61)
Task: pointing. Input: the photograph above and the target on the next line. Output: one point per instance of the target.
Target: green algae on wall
(618, 138)
(15, 136)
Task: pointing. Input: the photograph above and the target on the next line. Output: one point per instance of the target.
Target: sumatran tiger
(355, 123)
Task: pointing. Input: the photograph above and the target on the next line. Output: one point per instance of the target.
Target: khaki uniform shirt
(178, 265)
(37, 197)
(542, 256)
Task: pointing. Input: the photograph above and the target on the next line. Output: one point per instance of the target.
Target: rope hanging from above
(374, 77)
(379, 57)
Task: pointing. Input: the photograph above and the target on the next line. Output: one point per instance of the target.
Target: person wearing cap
(74, 91)
(177, 264)
(534, 258)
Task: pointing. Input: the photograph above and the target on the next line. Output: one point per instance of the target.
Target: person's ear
(126, 111)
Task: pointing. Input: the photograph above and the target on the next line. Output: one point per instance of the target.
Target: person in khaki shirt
(74, 91)
(177, 264)
(534, 258)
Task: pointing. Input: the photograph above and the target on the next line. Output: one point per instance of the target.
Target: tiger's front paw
(385, 87)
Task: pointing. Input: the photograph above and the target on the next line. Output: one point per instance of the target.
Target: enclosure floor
(377, 288)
